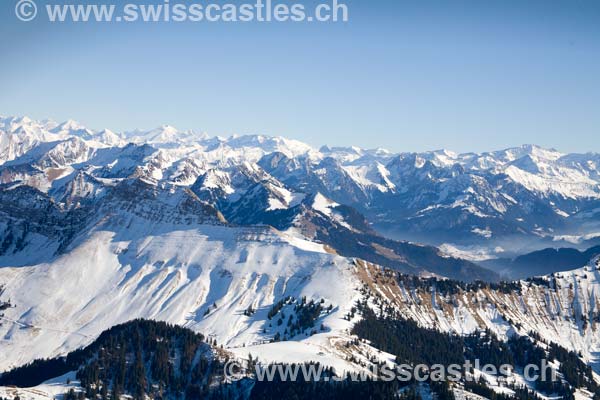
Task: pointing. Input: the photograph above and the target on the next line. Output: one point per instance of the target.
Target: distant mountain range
(521, 195)
(542, 262)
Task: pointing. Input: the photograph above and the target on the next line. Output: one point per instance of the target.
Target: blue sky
(404, 75)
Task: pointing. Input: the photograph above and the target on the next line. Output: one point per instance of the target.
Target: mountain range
(520, 195)
(225, 236)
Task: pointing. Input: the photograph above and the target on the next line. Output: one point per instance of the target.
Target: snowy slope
(48, 390)
(562, 308)
(130, 267)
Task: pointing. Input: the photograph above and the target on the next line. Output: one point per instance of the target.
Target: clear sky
(404, 75)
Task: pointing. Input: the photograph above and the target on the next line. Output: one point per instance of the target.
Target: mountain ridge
(534, 195)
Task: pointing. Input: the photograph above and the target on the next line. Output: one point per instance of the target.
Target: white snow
(471, 253)
(486, 233)
(130, 267)
(323, 204)
(50, 389)
(576, 239)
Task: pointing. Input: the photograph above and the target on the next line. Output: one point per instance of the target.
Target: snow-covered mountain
(561, 307)
(221, 234)
(522, 194)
